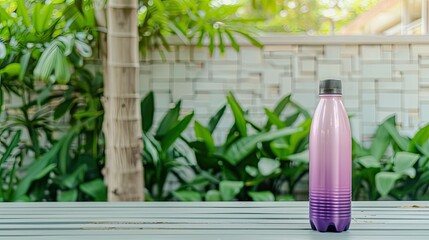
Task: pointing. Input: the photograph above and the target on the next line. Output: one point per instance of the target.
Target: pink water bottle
(330, 161)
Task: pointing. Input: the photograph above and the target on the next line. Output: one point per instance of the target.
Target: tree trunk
(124, 169)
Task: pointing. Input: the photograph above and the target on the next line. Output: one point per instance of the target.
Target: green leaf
(231, 38)
(274, 119)
(358, 150)
(252, 171)
(12, 69)
(67, 196)
(265, 196)
(423, 150)
(179, 32)
(301, 137)
(267, 166)
(47, 62)
(12, 145)
(37, 169)
(1, 95)
(290, 120)
(213, 122)
(44, 94)
(302, 110)
(12, 176)
(369, 162)
(285, 198)
(95, 189)
(280, 148)
(151, 149)
(421, 137)
(7, 153)
(203, 134)
(229, 189)
(424, 178)
(385, 181)
(24, 65)
(251, 39)
(402, 142)
(403, 161)
(244, 146)
(410, 172)
(23, 198)
(62, 74)
(45, 171)
(187, 196)
(213, 196)
(201, 37)
(212, 44)
(165, 44)
(83, 49)
(381, 140)
(299, 157)
(147, 107)
(62, 108)
(74, 179)
(3, 50)
(240, 121)
(22, 12)
(42, 20)
(221, 44)
(169, 121)
(79, 6)
(37, 19)
(175, 132)
(281, 105)
(278, 110)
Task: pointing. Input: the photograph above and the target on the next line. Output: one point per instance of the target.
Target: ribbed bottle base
(330, 226)
(330, 211)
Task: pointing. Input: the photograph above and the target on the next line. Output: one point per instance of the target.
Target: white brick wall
(379, 79)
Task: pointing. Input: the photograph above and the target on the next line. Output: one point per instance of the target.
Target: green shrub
(42, 52)
(254, 162)
(394, 166)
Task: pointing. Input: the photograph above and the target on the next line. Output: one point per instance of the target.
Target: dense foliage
(42, 51)
(394, 166)
(254, 162)
(266, 163)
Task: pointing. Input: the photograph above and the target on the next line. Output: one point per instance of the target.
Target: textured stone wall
(379, 79)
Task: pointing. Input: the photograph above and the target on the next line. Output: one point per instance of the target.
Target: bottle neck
(330, 95)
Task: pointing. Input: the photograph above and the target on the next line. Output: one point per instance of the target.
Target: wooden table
(205, 220)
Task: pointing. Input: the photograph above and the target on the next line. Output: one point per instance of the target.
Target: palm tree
(122, 128)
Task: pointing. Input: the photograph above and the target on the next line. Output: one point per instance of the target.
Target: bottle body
(330, 174)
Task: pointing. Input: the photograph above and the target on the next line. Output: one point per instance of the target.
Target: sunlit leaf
(187, 196)
(385, 181)
(265, 196)
(229, 189)
(2, 50)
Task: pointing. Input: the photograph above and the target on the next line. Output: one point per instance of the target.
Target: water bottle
(330, 161)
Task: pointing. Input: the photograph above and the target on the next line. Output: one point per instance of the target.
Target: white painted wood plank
(200, 210)
(207, 226)
(330, 236)
(120, 221)
(211, 232)
(220, 221)
(356, 204)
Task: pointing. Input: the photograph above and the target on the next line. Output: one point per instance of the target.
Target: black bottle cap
(330, 86)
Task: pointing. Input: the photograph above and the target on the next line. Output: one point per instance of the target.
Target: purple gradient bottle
(330, 162)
